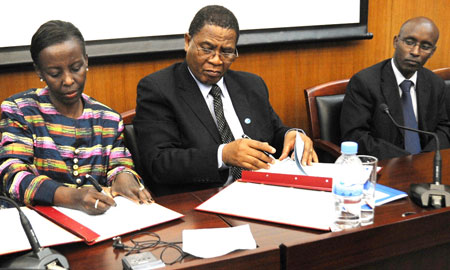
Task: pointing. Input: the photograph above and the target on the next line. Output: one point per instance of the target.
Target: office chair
(324, 103)
(444, 73)
(130, 139)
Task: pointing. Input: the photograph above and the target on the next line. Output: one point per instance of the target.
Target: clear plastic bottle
(348, 188)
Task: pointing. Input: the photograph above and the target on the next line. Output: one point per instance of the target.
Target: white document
(289, 166)
(13, 238)
(126, 217)
(299, 147)
(209, 243)
(292, 206)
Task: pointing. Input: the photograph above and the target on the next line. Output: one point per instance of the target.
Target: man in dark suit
(363, 121)
(177, 120)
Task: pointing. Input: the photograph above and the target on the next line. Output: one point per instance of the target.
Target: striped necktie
(224, 128)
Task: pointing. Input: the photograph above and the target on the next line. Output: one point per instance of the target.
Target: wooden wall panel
(286, 68)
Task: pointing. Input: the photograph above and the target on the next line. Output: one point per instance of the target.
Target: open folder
(287, 198)
(270, 199)
(58, 225)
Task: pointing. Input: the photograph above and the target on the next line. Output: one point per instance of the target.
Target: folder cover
(67, 223)
(288, 180)
(56, 225)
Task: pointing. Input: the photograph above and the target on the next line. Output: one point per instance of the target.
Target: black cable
(139, 245)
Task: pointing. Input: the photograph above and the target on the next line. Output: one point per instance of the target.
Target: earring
(87, 69)
(41, 79)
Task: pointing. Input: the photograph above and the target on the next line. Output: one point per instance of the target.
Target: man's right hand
(248, 154)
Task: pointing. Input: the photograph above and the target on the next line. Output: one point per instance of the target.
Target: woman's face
(63, 67)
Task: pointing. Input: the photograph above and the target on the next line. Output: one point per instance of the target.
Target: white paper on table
(209, 243)
(13, 238)
(291, 206)
(127, 216)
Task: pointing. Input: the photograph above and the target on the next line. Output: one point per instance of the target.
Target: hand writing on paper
(248, 154)
(86, 199)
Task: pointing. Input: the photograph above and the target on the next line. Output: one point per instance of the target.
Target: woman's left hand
(126, 185)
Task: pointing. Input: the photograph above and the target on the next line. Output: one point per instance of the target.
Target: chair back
(130, 139)
(444, 73)
(324, 103)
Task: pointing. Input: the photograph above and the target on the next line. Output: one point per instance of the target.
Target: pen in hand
(244, 136)
(98, 188)
(96, 184)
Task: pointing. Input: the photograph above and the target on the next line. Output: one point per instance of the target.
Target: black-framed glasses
(224, 56)
(411, 43)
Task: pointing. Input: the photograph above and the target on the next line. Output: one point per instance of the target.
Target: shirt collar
(205, 88)
(399, 76)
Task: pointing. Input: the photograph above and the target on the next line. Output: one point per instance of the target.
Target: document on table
(291, 206)
(209, 243)
(126, 217)
(13, 237)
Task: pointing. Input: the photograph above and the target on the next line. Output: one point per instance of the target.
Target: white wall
(110, 19)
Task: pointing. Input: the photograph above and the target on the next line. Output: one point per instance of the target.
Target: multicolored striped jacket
(42, 149)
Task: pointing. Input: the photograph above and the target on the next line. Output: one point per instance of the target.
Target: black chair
(130, 139)
(324, 103)
(444, 73)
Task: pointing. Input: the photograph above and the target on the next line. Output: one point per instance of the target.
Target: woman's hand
(127, 186)
(86, 199)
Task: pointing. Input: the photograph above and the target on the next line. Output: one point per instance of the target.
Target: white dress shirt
(400, 78)
(228, 110)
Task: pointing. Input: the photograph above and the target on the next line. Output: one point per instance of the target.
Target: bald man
(418, 102)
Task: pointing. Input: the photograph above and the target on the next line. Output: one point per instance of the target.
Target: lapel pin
(247, 121)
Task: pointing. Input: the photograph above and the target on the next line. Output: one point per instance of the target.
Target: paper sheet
(127, 216)
(209, 243)
(291, 206)
(13, 238)
(299, 147)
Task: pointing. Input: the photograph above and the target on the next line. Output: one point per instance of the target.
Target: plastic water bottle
(348, 188)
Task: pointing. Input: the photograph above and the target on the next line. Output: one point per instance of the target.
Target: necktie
(224, 129)
(412, 141)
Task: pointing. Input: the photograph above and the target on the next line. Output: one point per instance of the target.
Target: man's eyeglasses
(411, 43)
(224, 56)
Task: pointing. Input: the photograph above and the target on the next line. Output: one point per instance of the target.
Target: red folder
(67, 223)
(289, 180)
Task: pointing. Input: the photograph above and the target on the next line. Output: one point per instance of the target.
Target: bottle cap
(349, 148)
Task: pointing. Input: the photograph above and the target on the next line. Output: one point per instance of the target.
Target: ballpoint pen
(244, 136)
(95, 184)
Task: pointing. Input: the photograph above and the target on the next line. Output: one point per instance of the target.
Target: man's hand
(248, 154)
(309, 155)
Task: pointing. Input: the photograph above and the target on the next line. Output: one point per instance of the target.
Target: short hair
(421, 20)
(214, 15)
(51, 33)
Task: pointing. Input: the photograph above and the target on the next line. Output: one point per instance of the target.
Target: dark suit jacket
(177, 136)
(363, 121)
